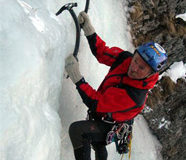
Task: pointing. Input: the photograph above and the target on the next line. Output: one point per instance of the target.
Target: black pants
(85, 133)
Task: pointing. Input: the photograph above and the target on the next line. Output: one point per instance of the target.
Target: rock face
(167, 119)
(155, 20)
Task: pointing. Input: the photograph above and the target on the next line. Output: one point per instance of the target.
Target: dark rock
(155, 21)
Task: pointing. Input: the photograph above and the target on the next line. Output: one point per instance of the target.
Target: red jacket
(120, 96)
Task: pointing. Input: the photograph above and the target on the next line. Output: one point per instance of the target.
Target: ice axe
(69, 7)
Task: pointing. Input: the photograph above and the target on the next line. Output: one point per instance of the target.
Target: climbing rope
(130, 147)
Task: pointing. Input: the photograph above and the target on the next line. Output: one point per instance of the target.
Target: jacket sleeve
(88, 94)
(103, 53)
(112, 100)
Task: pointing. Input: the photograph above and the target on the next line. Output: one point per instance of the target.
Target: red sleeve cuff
(81, 81)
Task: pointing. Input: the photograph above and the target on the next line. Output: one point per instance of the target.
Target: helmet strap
(150, 74)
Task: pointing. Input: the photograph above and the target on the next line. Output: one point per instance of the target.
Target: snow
(177, 70)
(164, 123)
(144, 142)
(182, 16)
(37, 102)
(147, 109)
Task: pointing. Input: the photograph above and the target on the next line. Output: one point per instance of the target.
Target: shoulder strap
(137, 95)
(122, 56)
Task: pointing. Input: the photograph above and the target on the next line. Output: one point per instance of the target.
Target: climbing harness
(121, 134)
(129, 146)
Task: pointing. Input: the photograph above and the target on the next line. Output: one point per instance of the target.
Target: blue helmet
(153, 54)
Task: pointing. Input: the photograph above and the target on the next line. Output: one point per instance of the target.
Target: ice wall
(32, 49)
(37, 102)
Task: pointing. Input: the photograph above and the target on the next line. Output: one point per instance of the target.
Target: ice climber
(120, 97)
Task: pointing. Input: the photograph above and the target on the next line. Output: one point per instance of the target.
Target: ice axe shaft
(69, 7)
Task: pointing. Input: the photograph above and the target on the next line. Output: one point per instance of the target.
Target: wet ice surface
(37, 103)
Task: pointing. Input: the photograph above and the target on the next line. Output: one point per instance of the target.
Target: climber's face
(138, 68)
